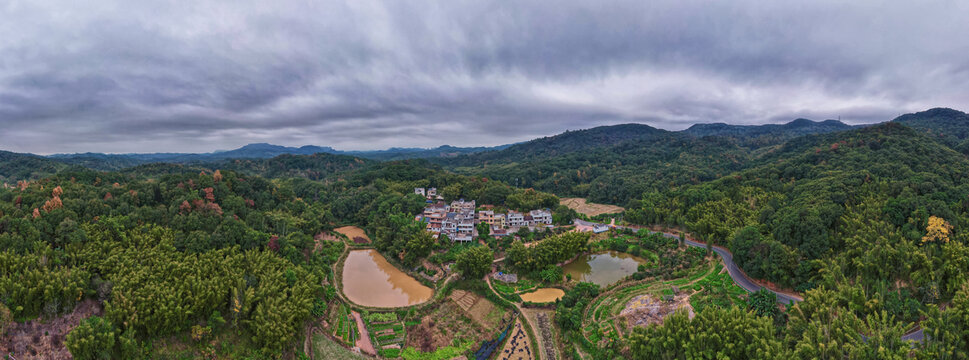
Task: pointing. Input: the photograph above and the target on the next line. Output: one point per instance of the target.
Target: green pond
(603, 268)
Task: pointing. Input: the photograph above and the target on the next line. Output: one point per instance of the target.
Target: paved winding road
(738, 275)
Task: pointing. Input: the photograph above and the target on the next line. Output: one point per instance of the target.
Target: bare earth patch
(36, 339)
(363, 342)
(442, 326)
(581, 206)
(643, 310)
(357, 235)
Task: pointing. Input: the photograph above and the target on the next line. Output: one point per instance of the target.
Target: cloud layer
(123, 76)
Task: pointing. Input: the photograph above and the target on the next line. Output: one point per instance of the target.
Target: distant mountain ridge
(100, 161)
(799, 126)
(627, 148)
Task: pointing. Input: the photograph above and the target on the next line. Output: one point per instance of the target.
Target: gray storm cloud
(122, 76)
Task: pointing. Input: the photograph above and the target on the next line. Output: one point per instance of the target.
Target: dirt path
(363, 342)
(532, 322)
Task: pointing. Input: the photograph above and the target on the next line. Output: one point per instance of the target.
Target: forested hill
(314, 167)
(614, 174)
(834, 198)
(769, 134)
(613, 164)
(561, 144)
(951, 127)
(16, 166)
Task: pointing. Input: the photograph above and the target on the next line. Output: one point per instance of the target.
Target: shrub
(94, 338)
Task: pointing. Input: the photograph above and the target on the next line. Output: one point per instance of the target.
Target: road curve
(738, 276)
(744, 282)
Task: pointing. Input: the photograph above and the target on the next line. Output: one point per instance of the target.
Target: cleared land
(590, 209)
(37, 339)
(355, 234)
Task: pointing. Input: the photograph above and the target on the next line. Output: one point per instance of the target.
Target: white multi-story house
(466, 225)
(461, 237)
(432, 192)
(541, 217)
(420, 191)
(516, 219)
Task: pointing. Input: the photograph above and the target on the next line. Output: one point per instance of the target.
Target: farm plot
(387, 333)
(343, 326)
(717, 289)
(613, 314)
(463, 320)
(511, 291)
(517, 347)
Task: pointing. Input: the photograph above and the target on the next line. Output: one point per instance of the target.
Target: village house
(540, 217)
(462, 206)
(420, 191)
(458, 220)
(515, 219)
(486, 216)
(499, 221)
(499, 232)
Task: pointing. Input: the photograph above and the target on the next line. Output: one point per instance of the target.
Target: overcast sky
(196, 76)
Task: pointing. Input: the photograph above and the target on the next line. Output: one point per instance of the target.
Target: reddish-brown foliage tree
(185, 207)
(53, 204)
(273, 243)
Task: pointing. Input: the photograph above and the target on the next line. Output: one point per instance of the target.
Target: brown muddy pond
(369, 280)
(603, 268)
(543, 295)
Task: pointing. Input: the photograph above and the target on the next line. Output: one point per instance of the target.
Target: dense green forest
(173, 250)
(833, 197)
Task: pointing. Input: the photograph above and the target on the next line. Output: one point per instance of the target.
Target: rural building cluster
(459, 219)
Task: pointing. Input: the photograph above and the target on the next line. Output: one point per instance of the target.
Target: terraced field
(387, 333)
(613, 314)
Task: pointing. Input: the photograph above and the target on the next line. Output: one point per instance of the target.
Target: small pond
(369, 280)
(603, 268)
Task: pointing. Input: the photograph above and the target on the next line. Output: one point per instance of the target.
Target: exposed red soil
(38, 339)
